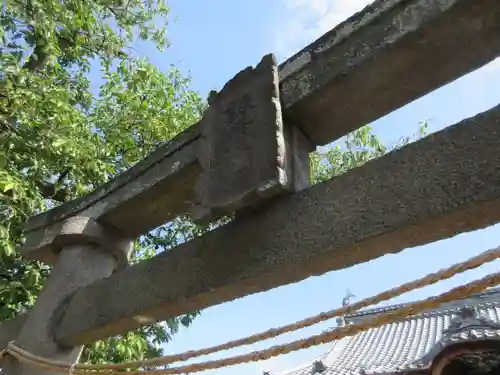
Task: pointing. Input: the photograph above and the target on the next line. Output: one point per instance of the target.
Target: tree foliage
(352, 151)
(60, 136)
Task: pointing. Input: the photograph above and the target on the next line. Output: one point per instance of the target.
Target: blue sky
(214, 40)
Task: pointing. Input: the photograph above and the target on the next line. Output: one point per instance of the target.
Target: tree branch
(49, 191)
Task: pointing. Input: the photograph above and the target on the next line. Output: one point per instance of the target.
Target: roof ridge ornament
(466, 321)
(318, 367)
(346, 301)
(469, 317)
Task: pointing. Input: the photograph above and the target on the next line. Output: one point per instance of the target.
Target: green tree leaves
(59, 139)
(352, 151)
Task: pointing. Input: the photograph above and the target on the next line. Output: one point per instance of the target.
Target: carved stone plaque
(243, 151)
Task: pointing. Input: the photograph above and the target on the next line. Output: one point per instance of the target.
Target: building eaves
(410, 344)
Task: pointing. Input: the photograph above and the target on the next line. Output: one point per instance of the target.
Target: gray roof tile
(410, 344)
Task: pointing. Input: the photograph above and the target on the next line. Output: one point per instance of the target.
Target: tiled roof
(410, 344)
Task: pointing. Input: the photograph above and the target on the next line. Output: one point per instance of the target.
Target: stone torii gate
(249, 156)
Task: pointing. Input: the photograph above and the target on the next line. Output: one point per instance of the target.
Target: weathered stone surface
(145, 196)
(45, 244)
(380, 59)
(392, 52)
(445, 184)
(10, 329)
(298, 149)
(244, 150)
(77, 266)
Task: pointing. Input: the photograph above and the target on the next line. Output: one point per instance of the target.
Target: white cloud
(306, 20)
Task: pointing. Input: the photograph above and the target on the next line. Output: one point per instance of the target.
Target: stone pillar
(81, 261)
